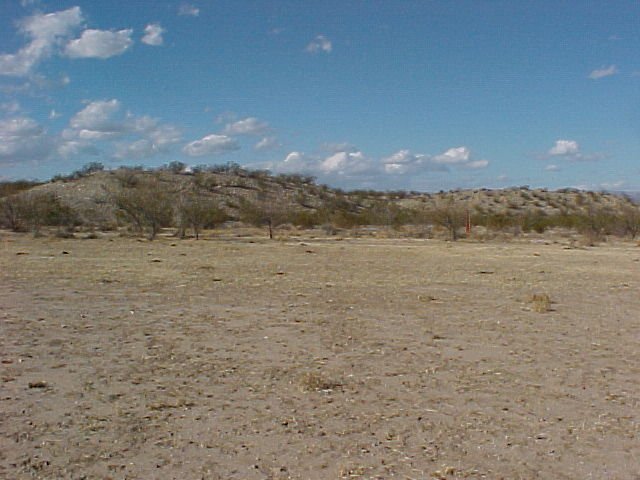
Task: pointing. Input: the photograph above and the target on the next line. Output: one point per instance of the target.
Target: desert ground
(236, 357)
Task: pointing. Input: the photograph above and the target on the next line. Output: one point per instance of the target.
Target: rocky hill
(99, 199)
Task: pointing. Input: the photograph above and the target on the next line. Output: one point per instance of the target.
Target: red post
(468, 224)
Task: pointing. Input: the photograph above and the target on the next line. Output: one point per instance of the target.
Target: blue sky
(416, 95)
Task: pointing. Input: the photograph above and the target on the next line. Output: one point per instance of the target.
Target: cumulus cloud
(247, 126)
(603, 72)
(211, 145)
(104, 121)
(339, 164)
(153, 35)
(99, 44)
(186, 9)
(51, 34)
(476, 164)
(404, 162)
(570, 150)
(266, 143)
(156, 139)
(320, 44)
(21, 139)
(352, 164)
(564, 148)
(345, 163)
(453, 156)
(45, 32)
(98, 120)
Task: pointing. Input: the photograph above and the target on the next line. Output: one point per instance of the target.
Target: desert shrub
(147, 205)
(629, 220)
(175, 167)
(536, 221)
(126, 177)
(266, 211)
(594, 224)
(38, 209)
(449, 215)
(86, 170)
(197, 212)
(304, 218)
(13, 213)
(11, 188)
(540, 302)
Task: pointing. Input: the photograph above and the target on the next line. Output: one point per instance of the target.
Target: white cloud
(186, 9)
(163, 136)
(339, 164)
(404, 162)
(453, 156)
(477, 164)
(552, 168)
(345, 163)
(211, 145)
(153, 35)
(570, 150)
(320, 44)
(564, 148)
(247, 126)
(339, 147)
(266, 143)
(99, 44)
(103, 120)
(603, 72)
(45, 32)
(71, 148)
(353, 168)
(156, 139)
(10, 107)
(21, 139)
(98, 119)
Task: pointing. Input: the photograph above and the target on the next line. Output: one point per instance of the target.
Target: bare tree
(269, 211)
(148, 205)
(630, 219)
(13, 214)
(196, 211)
(449, 215)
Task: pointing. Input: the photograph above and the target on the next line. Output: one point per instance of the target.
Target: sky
(415, 95)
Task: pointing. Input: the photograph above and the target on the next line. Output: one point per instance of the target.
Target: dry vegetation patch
(237, 357)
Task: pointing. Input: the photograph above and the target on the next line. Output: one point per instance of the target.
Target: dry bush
(449, 215)
(13, 213)
(148, 205)
(197, 212)
(630, 220)
(540, 302)
(34, 210)
(315, 381)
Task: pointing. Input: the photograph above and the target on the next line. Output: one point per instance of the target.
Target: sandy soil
(317, 359)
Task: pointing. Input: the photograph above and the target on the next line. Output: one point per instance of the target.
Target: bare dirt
(307, 358)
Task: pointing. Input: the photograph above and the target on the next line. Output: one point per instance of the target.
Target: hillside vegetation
(188, 201)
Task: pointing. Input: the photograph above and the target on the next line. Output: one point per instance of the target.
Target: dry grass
(540, 303)
(238, 358)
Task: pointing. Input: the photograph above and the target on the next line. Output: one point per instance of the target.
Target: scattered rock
(38, 384)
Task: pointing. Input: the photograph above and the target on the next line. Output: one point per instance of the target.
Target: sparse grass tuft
(540, 303)
(316, 381)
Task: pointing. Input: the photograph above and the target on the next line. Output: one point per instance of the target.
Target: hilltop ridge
(95, 197)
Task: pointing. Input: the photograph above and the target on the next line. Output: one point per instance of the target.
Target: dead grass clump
(540, 302)
(316, 381)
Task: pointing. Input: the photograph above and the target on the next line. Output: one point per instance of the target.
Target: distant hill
(257, 196)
